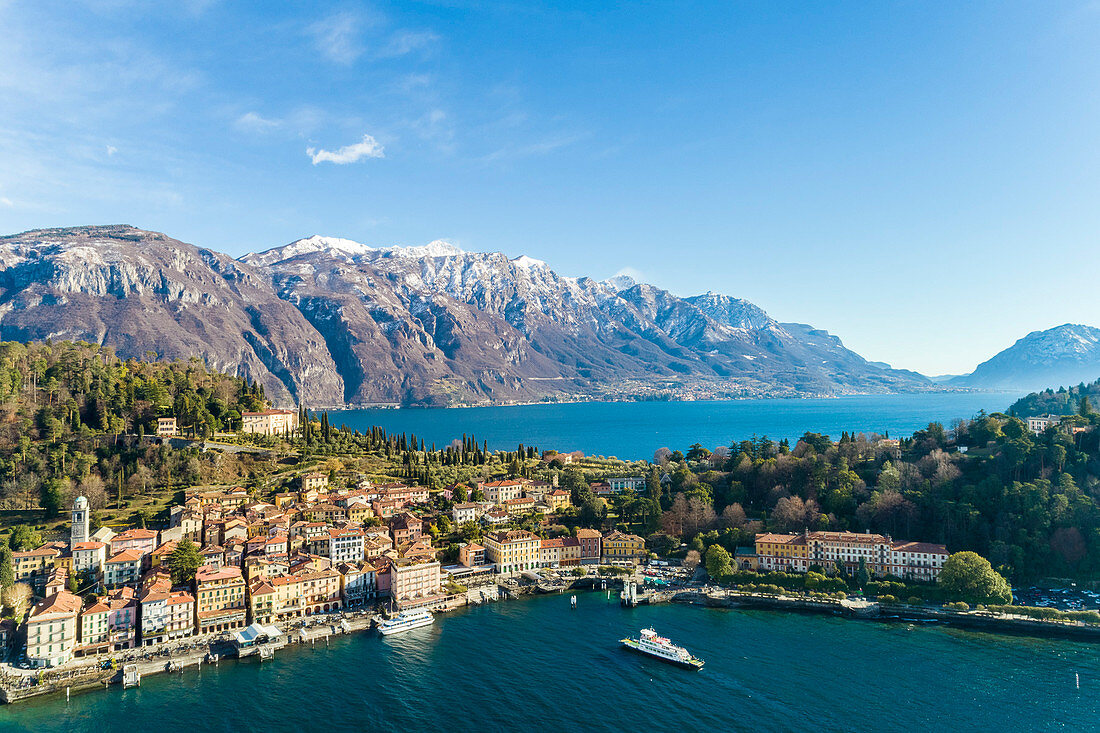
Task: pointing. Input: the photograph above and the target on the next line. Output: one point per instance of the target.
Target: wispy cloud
(405, 42)
(6, 202)
(111, 150)
(254, 122)
(539, 147)
(368, 147)
(339, 37)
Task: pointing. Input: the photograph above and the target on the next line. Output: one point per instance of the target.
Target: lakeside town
(229, 559)
(327, 529)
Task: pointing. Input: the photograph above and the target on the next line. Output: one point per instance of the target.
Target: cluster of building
(315, 550)
(879, 553)
(507, 499)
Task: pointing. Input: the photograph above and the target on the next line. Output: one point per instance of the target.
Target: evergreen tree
(184, 562)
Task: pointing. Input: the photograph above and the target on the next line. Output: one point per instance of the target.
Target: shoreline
(392, 406)
(84, 678)
(896, 613)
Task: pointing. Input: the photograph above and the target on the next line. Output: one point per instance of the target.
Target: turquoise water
(537, 664)
(634, 430)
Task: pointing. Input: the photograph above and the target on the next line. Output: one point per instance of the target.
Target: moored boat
(406, 621)
(649, 643)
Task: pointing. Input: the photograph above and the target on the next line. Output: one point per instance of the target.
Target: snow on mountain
(333, 321)
(1063, 355)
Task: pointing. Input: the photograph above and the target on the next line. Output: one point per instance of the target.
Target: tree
(7, 574)
(24, 537)
(967, 576)
(691, 561)
(183, 563)
(863, 575)
(17, 598)
(719, 562)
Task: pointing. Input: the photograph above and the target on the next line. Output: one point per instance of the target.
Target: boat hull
(632, 645)
(387, 631)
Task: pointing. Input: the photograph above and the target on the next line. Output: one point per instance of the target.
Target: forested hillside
(1063, 401)
(64, 405)
(1029, 503)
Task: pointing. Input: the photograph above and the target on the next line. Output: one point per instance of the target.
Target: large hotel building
(882, 555)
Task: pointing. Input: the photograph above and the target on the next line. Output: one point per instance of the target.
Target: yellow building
(622, 547)
(33, 564)
(512, 551)
(220, 599)
(270, 422)
(787, 552)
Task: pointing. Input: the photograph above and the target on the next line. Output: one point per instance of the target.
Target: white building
(52, 630)
(469, 512)
(619, 485)
(89, 557)
(1040, 423)
(916, 560)
(345, 545)
(166, 615)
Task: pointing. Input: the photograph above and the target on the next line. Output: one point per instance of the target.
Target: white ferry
(658, 646)
(406, 621)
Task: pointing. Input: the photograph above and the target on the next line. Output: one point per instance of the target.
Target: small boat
(406, 621)
(653, 645)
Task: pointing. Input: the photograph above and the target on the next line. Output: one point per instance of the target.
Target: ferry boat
(650, 643)
(406, 621)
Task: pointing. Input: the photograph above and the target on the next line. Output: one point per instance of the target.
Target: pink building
(142, 540)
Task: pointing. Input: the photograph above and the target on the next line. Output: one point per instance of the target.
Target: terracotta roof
(62, 602)
(136, 534)
(208, 574)
(925, 547)
(126, 556)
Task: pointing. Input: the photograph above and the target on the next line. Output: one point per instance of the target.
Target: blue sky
(921, 179)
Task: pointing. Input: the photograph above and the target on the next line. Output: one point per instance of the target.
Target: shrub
(914, 601)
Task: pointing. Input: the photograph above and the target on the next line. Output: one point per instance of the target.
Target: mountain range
(1065, 355)
(331, 322)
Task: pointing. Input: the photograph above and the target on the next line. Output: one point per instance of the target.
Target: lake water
(634, 430)
(536, 664)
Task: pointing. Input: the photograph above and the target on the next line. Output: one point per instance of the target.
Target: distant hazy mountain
(331, 321)
(1065, 355)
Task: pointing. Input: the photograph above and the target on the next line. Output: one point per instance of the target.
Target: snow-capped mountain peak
(348, 249)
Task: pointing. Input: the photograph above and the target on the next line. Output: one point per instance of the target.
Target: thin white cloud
(338, 38)
(6, 202)
(254, 122)
(406, 42)
(368, 147)
(111, 150)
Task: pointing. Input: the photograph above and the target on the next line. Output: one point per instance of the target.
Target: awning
(249, 635)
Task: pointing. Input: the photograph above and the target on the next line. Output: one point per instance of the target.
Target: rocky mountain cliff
(141, 291)
(1065, 355)
(331, 321)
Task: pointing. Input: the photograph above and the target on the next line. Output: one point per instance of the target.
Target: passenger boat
(406, 621)
(653, 645)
